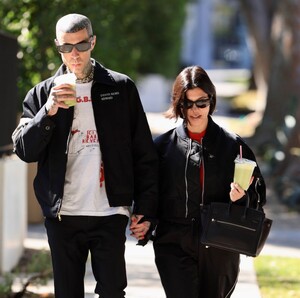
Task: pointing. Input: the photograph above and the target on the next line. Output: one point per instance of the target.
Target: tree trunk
(269, 24)
(291, 97)
(279, 65)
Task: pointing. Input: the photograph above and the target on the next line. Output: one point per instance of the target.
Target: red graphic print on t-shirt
(101, 174)
(91, 137)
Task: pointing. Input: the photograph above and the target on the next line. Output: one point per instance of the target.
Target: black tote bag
(235, 228)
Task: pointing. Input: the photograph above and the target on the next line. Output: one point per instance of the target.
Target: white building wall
(13, 211)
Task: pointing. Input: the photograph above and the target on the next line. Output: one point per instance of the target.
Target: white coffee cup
(68, 78)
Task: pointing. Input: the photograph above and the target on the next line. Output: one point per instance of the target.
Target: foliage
(135, 37)
(278, 277)
(5, 285)
(34, 261)
(34, 268)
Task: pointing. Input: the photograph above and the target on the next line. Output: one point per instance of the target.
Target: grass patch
(246, 100)
(34, 269)
(278, 277)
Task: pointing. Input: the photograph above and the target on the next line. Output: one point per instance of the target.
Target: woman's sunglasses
(80, 47)
(200, 103)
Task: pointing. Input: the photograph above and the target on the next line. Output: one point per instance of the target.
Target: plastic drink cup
(243, 171)
(68, 78)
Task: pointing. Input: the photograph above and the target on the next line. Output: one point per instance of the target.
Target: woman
(196, 168)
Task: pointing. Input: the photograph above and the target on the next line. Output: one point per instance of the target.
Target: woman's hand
(139, 230)
(236, 192)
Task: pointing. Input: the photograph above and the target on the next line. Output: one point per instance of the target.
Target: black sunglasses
(80, 47)
(200, 103)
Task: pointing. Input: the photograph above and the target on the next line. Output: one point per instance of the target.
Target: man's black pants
(71, 240)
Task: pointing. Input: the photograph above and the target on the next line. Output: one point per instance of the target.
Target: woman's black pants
(189, 269)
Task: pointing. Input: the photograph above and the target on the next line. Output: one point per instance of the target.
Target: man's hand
(57, 97)
(138, 227)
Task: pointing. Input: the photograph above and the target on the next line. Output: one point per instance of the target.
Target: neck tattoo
(88, 78)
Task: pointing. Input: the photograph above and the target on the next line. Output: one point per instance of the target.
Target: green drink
(68, 78)
(243, 171)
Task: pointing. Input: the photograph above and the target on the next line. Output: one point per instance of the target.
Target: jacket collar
(103, 75)
(211, 132)
(181, 131)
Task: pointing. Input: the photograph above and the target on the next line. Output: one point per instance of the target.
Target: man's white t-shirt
(84, 190)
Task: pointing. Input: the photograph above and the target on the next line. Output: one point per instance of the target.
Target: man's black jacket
(129, 157)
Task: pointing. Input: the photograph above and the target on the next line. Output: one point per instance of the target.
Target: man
(94, 160)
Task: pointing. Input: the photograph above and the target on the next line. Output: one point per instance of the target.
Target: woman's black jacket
(180, 192)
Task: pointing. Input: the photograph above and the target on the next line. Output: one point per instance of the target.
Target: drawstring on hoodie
(257, 182)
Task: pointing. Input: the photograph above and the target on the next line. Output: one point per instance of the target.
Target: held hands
(57, 97)
(139, 229)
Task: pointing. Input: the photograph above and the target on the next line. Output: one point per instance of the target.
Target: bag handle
(246, 207)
